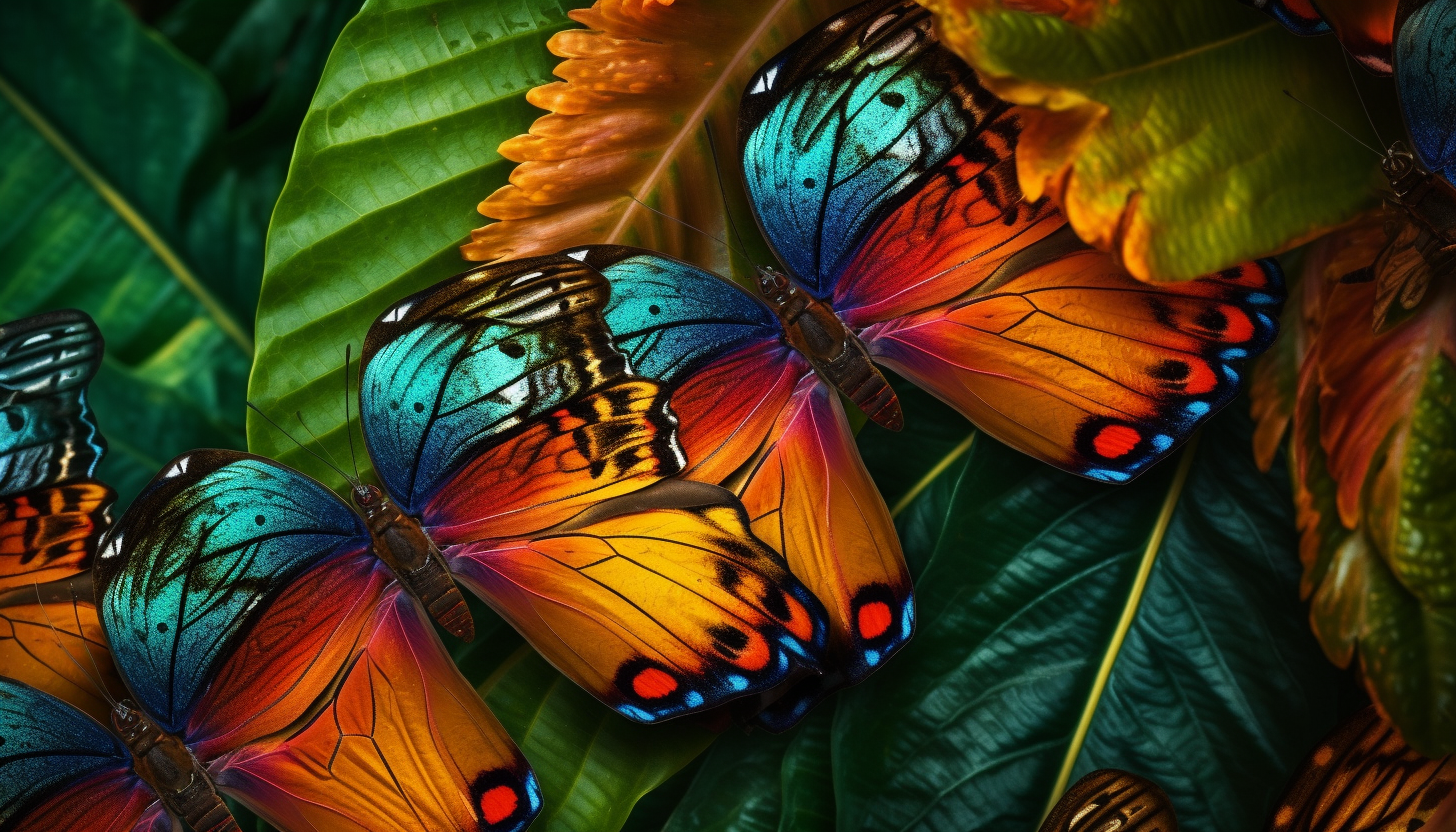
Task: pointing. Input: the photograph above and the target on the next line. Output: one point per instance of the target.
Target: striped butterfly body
(1112, 800)
(1364, 778)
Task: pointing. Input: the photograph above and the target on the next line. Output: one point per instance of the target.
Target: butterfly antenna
(1350, 70)
(298, 414)
(1379, 153)
(718, 172)
(86, 645)
(690, 225)
(348, 424)
(56, 634)
(295, 441)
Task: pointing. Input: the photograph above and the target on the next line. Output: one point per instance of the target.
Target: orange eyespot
(651, 683)
(874, 619)
(1114, 441)
(497, 804)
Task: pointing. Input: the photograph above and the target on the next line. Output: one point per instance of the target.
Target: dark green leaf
(1213, 687)
(100, 121)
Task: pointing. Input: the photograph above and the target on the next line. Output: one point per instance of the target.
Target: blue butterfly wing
(671, 317)
(1299, 17)
(196, 561)
(449, 370)
(50, 747)
(48, 433)
(842, 124)
(1425, 75)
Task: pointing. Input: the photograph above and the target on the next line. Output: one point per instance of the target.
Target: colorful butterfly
(523, 459)
(52, 509)
(883, 176)
(267, 656)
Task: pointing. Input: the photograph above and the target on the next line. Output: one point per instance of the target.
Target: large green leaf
(1067, 626)
(1163, 129)
(100, 123)
(397, 146)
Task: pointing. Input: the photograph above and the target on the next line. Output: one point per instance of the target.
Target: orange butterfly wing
(659, 603)
(1045, 344)
(405, 731)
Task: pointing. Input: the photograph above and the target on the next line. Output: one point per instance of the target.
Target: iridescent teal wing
(59, 769)
(450, 370)
(214, 540)
(1425, 75)
(48, 434)
(842, 124)
(670, 317)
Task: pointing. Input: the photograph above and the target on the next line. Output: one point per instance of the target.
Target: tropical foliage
(1203, 627)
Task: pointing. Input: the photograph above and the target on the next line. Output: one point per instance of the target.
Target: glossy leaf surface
(1213, 691)
(1163, 129)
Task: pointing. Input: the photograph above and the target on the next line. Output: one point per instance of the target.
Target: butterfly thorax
(401, 542)
(1430, 201)
(165, 763)
(813, 329)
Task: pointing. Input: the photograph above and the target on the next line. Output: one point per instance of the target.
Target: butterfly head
(1400, 168)
(368, 498)
(776, 288)
(133, 726)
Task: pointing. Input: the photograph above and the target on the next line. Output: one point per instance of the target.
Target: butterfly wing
(1425, 75)
(453, 369)
(60, 770)
(52, 513)
(1110, 798)
(659, 603)
(404, 742)
(843, 123)
(1365, 28)
(1364, 776)
(755, 418)
(209, 589)
(1298, 16)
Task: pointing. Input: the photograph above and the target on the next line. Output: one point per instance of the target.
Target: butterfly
(883, 176)
(52, 509)
(1298, 16)
(521, 457)
(266, 656)
(1364, 776)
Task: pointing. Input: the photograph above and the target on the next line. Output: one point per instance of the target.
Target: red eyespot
(874, 619)
(651, 683)
(1114, 441)
(497, 804)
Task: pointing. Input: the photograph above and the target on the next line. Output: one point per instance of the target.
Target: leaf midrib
(129, 215)
(690, 125)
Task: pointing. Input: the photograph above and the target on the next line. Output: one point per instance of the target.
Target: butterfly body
(814, 331)
(169, 767)
(400, 541)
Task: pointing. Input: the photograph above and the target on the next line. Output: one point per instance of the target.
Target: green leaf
(1067, 626)
(397, 147)
(593, 763)
(100, 122)
(1163, 129)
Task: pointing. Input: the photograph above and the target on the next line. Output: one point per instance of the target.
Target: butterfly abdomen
(402, 544)
(165, 763)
